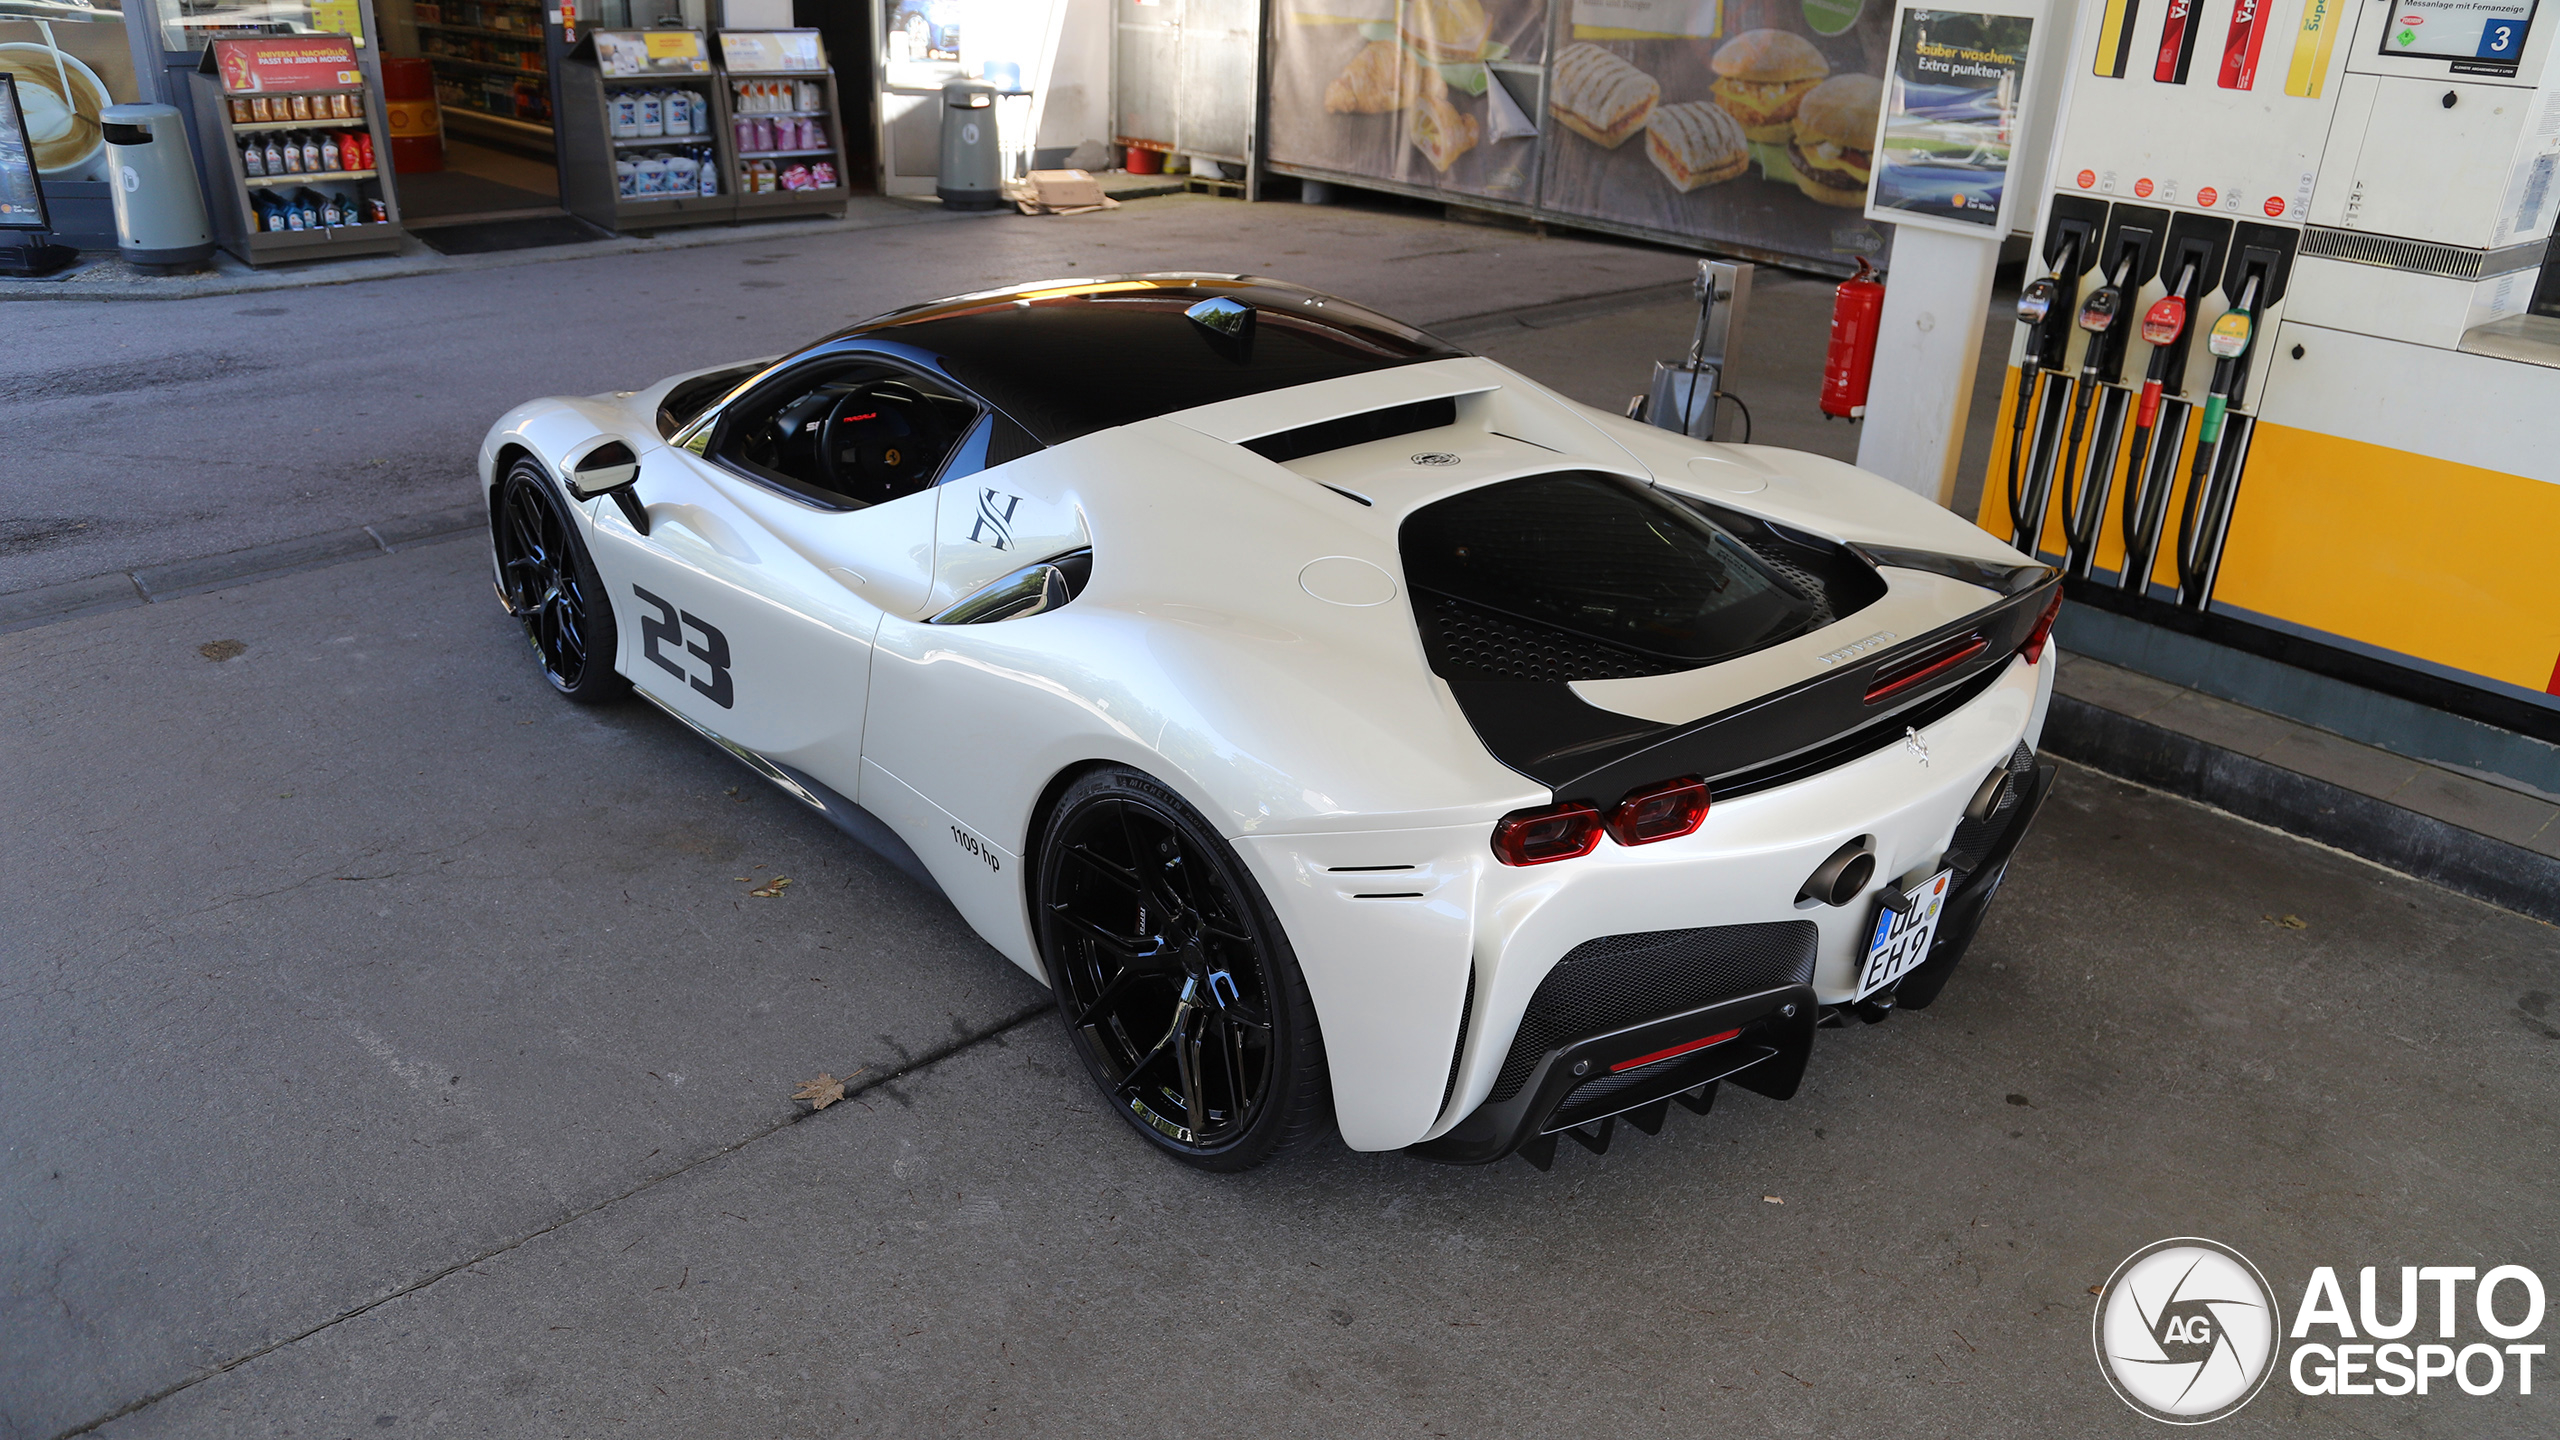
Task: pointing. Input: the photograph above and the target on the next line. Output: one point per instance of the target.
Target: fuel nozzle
(2229, 341)
(2162, 324)
(2035, 303)
(2098, 312)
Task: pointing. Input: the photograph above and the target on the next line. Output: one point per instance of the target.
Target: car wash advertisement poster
(1685, 120)
(1946, 147)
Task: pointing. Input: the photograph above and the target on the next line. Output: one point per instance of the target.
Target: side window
(847, 434)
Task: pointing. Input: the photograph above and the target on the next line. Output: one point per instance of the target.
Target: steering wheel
(881, 441)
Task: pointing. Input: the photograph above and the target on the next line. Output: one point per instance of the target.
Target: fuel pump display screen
(2479, 36)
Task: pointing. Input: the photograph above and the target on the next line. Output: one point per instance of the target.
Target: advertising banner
(1436, 94)
(1744, 124)
(67, 74)
(21, 201)
(1738, 124)
(286, 62)
(1951, 115)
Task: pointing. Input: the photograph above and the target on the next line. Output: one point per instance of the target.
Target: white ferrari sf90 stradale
(1349, 730)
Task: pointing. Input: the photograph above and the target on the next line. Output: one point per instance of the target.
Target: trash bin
(160, 220)
(409, 112)
(972, 174)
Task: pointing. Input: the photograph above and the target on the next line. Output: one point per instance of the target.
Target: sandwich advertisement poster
(1959, 78)
(1745, 124)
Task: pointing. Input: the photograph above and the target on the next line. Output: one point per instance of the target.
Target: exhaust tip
(1843, 877)
(1988, 798)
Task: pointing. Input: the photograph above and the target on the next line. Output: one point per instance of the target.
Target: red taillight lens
(1700, 1044)
(1662, 812)
(1542, 836)
(2034, 648)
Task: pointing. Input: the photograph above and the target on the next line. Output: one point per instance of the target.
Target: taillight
(2034, 648)
(1661, 812)
(1550, 833)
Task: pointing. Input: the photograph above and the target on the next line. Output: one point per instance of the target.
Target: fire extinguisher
(1855, 309)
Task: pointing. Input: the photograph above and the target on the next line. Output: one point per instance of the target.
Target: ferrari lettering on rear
(667, 627)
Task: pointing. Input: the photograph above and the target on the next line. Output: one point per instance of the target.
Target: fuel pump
(2070, 248)
(2035, 311)
(2255, 283)
(2198, 246)
(2132, 252)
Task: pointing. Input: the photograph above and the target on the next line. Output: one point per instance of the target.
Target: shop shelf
(638, 141)
(337, 122)
(308, 177)
(778, 154)
(486, 66)
(520, 37)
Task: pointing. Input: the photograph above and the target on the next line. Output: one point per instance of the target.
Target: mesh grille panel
(2422, 257)
(1802, 581)
(1508, 648)
(1974, 838)
(1620, 980)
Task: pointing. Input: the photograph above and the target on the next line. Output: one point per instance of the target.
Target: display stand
(778, 80)
(309, 88)
(614, 171)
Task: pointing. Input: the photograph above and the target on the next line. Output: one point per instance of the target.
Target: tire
(549, 584)
(1174, 980)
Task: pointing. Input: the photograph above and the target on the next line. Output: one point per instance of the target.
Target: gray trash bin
(972, 173)
(159, 211)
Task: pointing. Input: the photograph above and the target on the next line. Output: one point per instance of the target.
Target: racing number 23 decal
(668, 627)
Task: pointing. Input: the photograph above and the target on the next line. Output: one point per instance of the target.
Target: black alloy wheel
(1176, 982)
(550, 586)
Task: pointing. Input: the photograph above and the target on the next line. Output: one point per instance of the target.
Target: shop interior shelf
(335, 122)
(518, 36)
(778, 154)
(469, 63)
(770, 114)
(700, 82)
(309, 176)
(640, 140)
(474, 117)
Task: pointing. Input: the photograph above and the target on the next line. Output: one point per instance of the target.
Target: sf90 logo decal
(667, 627)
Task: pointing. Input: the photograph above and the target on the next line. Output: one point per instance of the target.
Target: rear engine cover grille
(1505, 647)
(1620, 980)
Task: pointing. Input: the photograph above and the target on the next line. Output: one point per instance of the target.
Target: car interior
(854, 437)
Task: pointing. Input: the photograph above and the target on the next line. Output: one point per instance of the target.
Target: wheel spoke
(1229, 1046)
(1106, 869)
(1131, 946)
(1118, 985)
(1188, 1059)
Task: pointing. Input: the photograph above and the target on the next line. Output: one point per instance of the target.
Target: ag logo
(995, 519)
(2186, 1331)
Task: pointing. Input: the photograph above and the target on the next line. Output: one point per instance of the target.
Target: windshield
(1586, 557)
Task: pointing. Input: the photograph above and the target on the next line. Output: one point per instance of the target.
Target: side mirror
(603, 470)
(610, 469)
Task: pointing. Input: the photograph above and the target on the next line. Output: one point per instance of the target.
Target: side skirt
(841, 812)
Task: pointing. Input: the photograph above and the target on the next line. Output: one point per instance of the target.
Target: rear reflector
(2033, 650)
(1674, 1050)
(1545, 835)
(1919, 669)
(1660, 812)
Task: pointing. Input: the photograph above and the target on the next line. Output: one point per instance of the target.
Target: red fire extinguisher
(1855, 309)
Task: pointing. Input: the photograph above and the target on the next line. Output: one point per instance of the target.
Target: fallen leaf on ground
(222, 649)
(1772, 1200)
(821, 1092)
(2287, 922)
(771, 891)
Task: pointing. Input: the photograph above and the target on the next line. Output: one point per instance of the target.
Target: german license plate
(1901, 938)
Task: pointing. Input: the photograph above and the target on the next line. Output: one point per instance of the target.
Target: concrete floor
(387, 1047)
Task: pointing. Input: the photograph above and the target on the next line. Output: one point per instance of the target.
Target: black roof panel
(1071, 357)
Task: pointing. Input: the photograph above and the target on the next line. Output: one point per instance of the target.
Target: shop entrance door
(489, 65)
